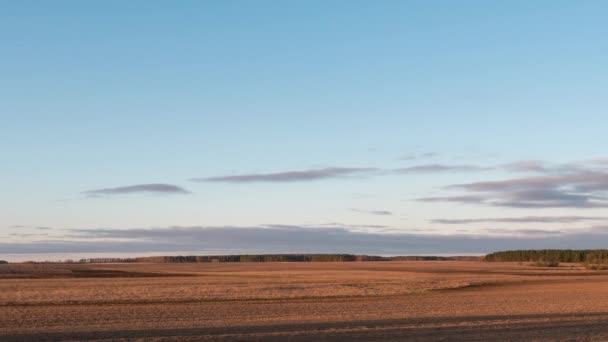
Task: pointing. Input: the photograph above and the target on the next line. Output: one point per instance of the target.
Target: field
(336, 301)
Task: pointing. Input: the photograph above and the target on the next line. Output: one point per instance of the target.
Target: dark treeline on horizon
(262, 258)
(277, 258)
(556, 255)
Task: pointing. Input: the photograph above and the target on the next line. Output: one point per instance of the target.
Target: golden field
(336, 301)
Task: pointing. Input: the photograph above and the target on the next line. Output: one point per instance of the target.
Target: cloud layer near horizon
(305, 239)
(538, 184)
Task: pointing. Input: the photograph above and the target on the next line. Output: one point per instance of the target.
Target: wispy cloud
(527, 166)
(372, 212)
(420, 156)
(166, 189)
(524, 232)
(574, 187)
(541, 166)
(599, 229)
(436, 168)
(600, 161)
(537, 166)
(524, 219)
(291, 176)
(584, 189)
(466, 199)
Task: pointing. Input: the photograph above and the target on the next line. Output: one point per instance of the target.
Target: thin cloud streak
(524, 232)
(525, 219)
(537, 166)
(437, 168)
(372, 212)
(527, 166)
(420, 156)
(291, 176)
(157, 188)
(466, 199)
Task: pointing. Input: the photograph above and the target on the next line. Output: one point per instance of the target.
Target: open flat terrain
(388, 301)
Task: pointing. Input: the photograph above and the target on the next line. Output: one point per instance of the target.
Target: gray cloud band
(298, 239)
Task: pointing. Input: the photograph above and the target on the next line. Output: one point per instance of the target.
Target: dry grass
(261, 300)
(209, 282)
(545, 263)
(29, 270)
(213, 282)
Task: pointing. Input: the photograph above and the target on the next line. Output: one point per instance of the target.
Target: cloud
(304, 239)
(535, 166)
(525, 219)
(27, 234)
(139, 188)
(436, 168)
(372, 212)
(601, 161)
(24, 226)
(524, 232)
(420, 156)
(541, 166)
(599, 229)
(335, 172)
(290, 176)
(527, 166)
(538, 166)
(468, 199)
(575, 189)
(266, 238)
(342, 172)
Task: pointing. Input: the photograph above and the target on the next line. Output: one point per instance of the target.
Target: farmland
(415, 300)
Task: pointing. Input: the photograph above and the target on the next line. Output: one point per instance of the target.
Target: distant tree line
(292, 258)
(257, 258)
(105, 260)
(597, 256)
(3, 262)
(251, 258)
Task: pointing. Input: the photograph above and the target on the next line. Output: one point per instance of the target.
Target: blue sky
(346, 94)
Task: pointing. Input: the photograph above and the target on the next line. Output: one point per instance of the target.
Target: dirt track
(465, 301)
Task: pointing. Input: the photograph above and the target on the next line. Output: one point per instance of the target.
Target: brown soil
(384, 301)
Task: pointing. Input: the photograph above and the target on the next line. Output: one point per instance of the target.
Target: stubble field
(426, 300)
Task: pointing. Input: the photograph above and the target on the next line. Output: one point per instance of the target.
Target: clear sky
(392, 127)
